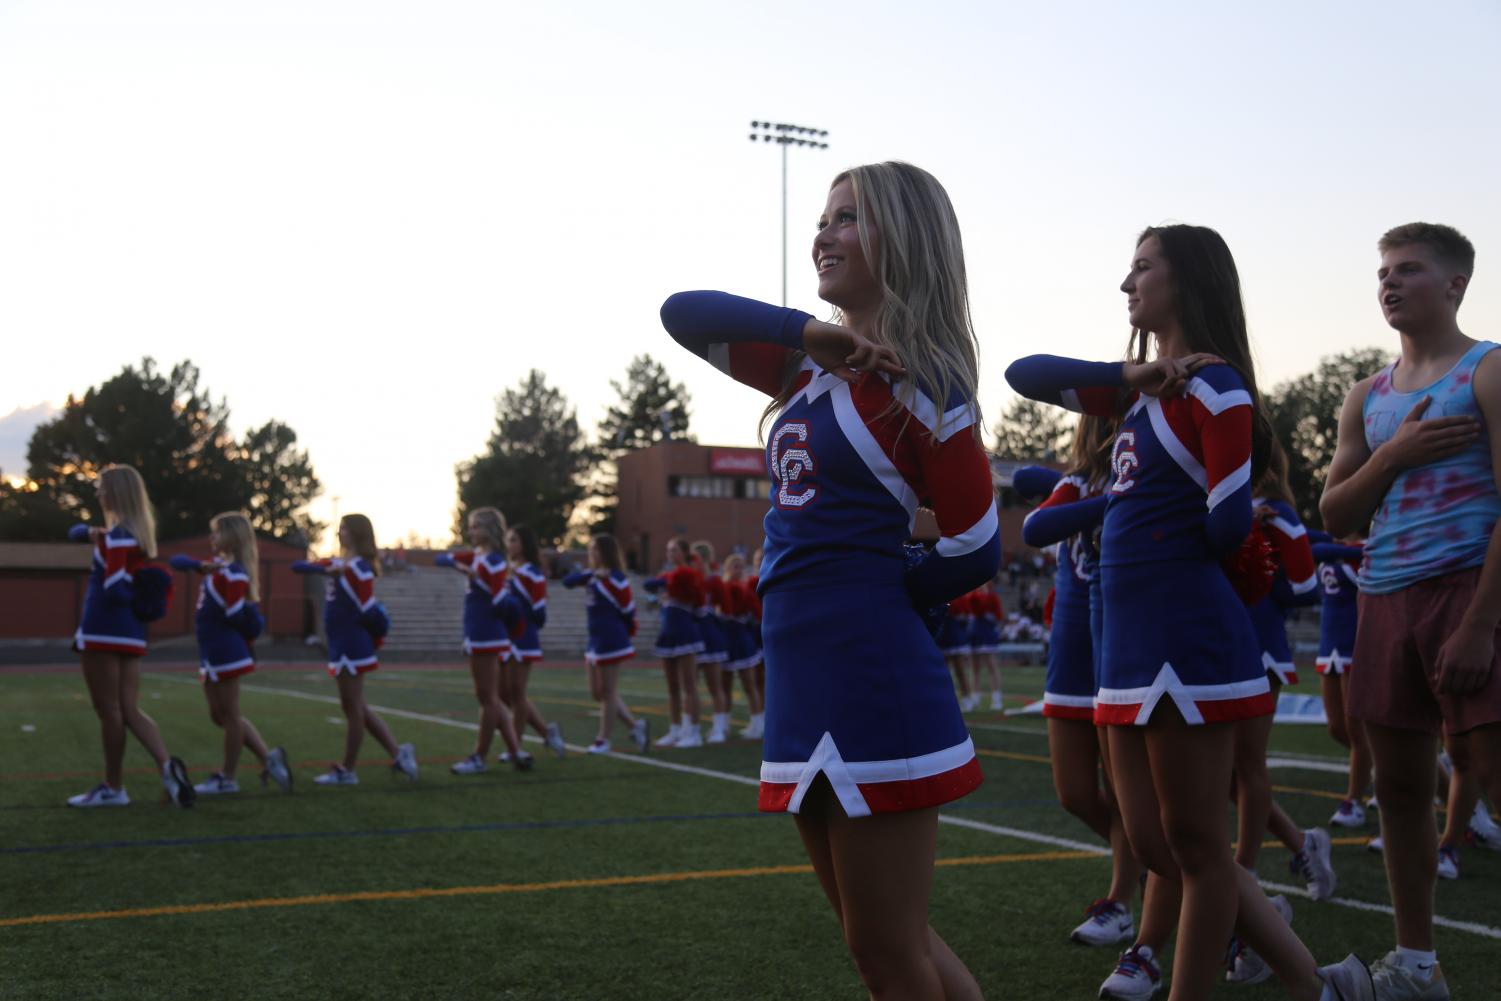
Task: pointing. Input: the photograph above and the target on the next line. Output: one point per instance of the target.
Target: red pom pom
(1047, 609)
(1251, 567)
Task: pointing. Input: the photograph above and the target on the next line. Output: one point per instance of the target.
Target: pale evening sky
(366, 219)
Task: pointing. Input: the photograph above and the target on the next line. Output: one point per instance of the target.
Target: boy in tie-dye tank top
(1418, 456)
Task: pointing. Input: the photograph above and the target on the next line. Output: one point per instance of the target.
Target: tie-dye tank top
(1438, 518)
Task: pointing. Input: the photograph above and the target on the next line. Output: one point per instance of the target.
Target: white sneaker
(1375, 845)
(1448, 862)
(691, 737)
(523, 762)
(472, 765)
(100, 795)
(277, 770)
(995, 701)
(554, 740)
(1350, 980)
(216, 785)
(504, 757)
(1313, 864)
(717, 734)
(1243, 965)
(969, 703)
(641, 734)
(1136, 977)
(670, 738)
(1391, 981)
(338, 775)
(175, 780)
(756, 728)
(1483, 830)
(406, 760)
(1108, 923)
(1349, 814)
(598, 747)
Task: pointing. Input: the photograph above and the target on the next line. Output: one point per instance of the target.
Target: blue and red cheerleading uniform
(611, 615)
(1339, 592)
(986, 614)
(526, 609)
(953, 631)
(227, 622)
(348, 610)
(1180, 503)
(1295, 583)
(682, 590)
(710, 625)
(109, 622)
(1067, 521)
(856, 688)
(484, 627)
(742, 610)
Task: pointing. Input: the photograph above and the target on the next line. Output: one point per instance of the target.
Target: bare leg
(1464, 791)
(1405, 783)
(485, 672)
(714, 678)
(136, 721)
(671, 668)
(1074, 749)
(101, 673)
(1253, 787)
(688, 685)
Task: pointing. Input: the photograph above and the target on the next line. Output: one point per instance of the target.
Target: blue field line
(392, 832)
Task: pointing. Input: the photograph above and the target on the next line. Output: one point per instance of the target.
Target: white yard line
(1036, 837)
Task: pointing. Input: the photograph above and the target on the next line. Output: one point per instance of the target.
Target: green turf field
(587, 878)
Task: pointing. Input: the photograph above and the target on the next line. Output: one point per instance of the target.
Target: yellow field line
(497, 888)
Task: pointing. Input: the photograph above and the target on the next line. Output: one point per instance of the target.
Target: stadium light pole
(785, 134)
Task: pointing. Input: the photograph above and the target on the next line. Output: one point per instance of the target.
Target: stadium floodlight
(785, 134)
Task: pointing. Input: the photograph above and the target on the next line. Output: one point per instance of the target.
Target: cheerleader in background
(611, 614)
(525, 608)
(111, 640)
(716, 646)
(985, 641)
(1179, 659)
(354, 621)
(953, 640)
(227, 622)
(1339, 566)
(753, 581)
(486, 640)
(679, 642)
(742, 609)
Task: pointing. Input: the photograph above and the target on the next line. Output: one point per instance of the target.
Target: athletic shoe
(1349, 814)
(523, 762)
(1375, 845)
(1108, 923)
(1483, 830)
(338, 775)
(504, 757)
(1371, 804)
(100, 795)
(1448, 861)
(690, 736)
(472, 765)
(1136, 977)
(717, 735)
(670, 738)
(277, 770)
(554, 740)
(1394, 982)
(406, 761)
(599, 746)
(1243, 965)
(969, 703)
(216, 785)
(1350, 980)
(757, 727)
(995, 701)
(641, 735)
(1313, 864)
(175, 780)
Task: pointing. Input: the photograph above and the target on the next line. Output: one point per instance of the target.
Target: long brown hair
(609, 551)
(1213, 316)
(1090, 458)
(362, 539)
(1274, 484)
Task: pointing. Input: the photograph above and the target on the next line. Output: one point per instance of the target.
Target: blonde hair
(122, 494)
(924, 313)
(493, 524)
(362, 539)
(730, 563)
(235, 533)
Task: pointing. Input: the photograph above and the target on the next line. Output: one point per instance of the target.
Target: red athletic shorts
(1397, 644)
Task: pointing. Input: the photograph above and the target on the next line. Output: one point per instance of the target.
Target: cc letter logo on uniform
(1124, 462)
(793, 464)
